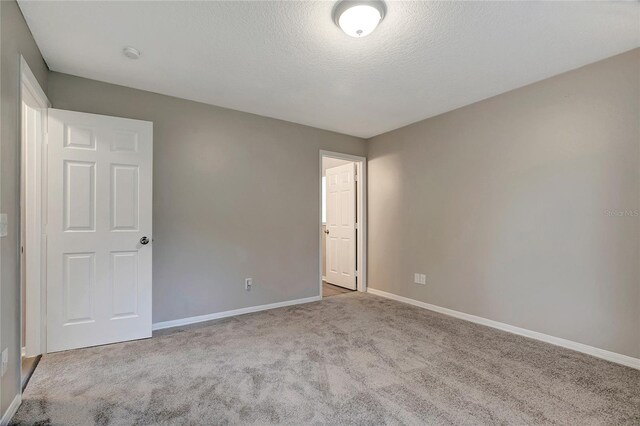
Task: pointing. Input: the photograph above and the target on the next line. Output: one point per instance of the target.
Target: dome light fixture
(359, 18)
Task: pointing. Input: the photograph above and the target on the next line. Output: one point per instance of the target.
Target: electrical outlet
(5, 361)
(420, 279)
(248, 282)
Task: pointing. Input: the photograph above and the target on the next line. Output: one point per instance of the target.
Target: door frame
(32, 199)
(361, 216)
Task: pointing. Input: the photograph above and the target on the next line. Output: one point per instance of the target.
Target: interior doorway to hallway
(342, 223)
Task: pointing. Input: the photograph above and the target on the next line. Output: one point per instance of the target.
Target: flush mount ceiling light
(131, 53)
(359, 18)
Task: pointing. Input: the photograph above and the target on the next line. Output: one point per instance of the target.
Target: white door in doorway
(99, 185)
(341, 226)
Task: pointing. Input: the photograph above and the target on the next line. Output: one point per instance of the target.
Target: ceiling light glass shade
(359, 18)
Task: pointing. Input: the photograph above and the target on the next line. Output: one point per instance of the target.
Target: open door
(341, 226)
(99, 194)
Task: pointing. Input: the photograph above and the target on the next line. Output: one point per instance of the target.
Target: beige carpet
(349, 359)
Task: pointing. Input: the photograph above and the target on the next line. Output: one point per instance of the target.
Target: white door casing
(99, 207)
(33, 132)
(33, 119)
(341, 226)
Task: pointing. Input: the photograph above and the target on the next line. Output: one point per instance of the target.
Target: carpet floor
(349, 359)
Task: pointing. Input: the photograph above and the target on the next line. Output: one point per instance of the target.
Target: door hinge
(355, 178)
(356, 274)
(356, 225)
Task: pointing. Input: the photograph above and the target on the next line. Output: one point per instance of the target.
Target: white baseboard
(579, 347)
(225, 314)
(15, 404)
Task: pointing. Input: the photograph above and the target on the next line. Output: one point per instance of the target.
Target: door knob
(326, 231)
(144, 241)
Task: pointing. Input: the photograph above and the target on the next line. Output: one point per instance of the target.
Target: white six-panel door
(341, 226)
(99, 194)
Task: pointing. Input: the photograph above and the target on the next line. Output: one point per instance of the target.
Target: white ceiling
(288, 60)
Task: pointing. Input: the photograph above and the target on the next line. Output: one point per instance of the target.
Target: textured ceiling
(288, 60)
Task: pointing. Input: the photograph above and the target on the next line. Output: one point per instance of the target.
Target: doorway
(85, 227)
(342, 223)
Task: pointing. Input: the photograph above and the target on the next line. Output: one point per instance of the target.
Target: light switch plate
(5, 361)
(3, 224)
(420, 279)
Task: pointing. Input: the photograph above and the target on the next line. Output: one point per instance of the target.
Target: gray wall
(503, 205)
(235, 195)
(15, 39)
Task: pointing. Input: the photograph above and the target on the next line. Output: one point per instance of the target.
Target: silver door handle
(144, 241)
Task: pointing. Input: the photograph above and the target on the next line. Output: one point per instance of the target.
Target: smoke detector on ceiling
(131, 52)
